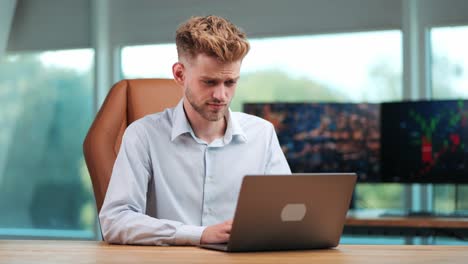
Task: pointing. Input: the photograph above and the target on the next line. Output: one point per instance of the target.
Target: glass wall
(351, 67)
(148, 61)
(46, 110)
(450, 81)
(449, 62)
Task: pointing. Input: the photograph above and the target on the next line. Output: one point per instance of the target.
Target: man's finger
(224, 237)
(227, 228)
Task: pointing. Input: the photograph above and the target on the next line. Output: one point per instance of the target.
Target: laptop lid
(298, 211)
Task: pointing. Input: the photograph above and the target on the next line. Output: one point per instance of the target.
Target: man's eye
(230, 83)
(210, 83)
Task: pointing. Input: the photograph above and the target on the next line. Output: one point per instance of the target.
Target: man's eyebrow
(217, 78)
(234, 79)
(209, 77)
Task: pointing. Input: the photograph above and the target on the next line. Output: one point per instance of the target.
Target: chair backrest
(127, 101)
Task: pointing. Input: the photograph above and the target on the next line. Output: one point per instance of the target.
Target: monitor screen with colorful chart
(326, 137)
(425, 141)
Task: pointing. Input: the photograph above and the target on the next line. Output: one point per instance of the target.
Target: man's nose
(219, 93)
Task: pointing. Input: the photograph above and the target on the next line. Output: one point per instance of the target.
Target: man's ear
(178, 70)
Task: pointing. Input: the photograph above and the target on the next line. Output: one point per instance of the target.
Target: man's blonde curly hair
(213, 36)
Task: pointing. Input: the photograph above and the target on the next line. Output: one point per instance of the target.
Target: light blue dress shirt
(167, 185)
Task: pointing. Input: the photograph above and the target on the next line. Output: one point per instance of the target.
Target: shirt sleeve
(122, 217)
(276, 163)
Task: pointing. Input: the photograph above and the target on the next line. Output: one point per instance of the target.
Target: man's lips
(216, 106)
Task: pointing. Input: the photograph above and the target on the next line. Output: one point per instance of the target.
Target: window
(449, 62)
(450, 81)
(45, 189)
(351, 67)
(149, 61)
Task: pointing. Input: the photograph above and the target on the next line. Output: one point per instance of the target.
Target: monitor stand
(454, 214)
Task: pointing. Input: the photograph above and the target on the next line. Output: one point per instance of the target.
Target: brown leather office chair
(127, 101)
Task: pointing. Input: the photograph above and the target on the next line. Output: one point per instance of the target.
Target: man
(178, 173)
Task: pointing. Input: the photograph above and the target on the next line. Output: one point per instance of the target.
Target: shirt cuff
(189, 235)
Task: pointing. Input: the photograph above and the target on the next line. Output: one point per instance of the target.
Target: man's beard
(203, 110)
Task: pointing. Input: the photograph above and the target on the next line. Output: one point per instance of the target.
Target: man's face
(210, 85)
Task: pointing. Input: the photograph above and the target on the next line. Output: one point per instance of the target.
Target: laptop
(286, 212)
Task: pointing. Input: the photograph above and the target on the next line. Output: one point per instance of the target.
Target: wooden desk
(370, 223)
(73, 252)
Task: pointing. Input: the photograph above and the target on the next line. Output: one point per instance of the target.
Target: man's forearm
(129, 227)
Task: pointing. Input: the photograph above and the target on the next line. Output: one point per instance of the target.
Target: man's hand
(217, 233)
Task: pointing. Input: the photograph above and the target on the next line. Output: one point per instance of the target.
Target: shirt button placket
(205, 187)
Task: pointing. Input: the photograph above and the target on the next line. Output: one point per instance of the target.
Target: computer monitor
(326, 137)
(425, 141)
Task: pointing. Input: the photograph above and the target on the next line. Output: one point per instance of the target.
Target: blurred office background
(58, 59)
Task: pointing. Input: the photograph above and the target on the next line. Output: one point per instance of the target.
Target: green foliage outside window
(45, 114)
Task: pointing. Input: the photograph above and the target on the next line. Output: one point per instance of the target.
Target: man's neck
(204, 129)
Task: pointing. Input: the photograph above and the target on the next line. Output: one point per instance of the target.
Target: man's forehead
(210, 60)
(211, 66)
(218, 71)
(230, 76)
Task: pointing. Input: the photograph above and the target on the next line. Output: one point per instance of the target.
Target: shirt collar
(233, 130)
(181, 125)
